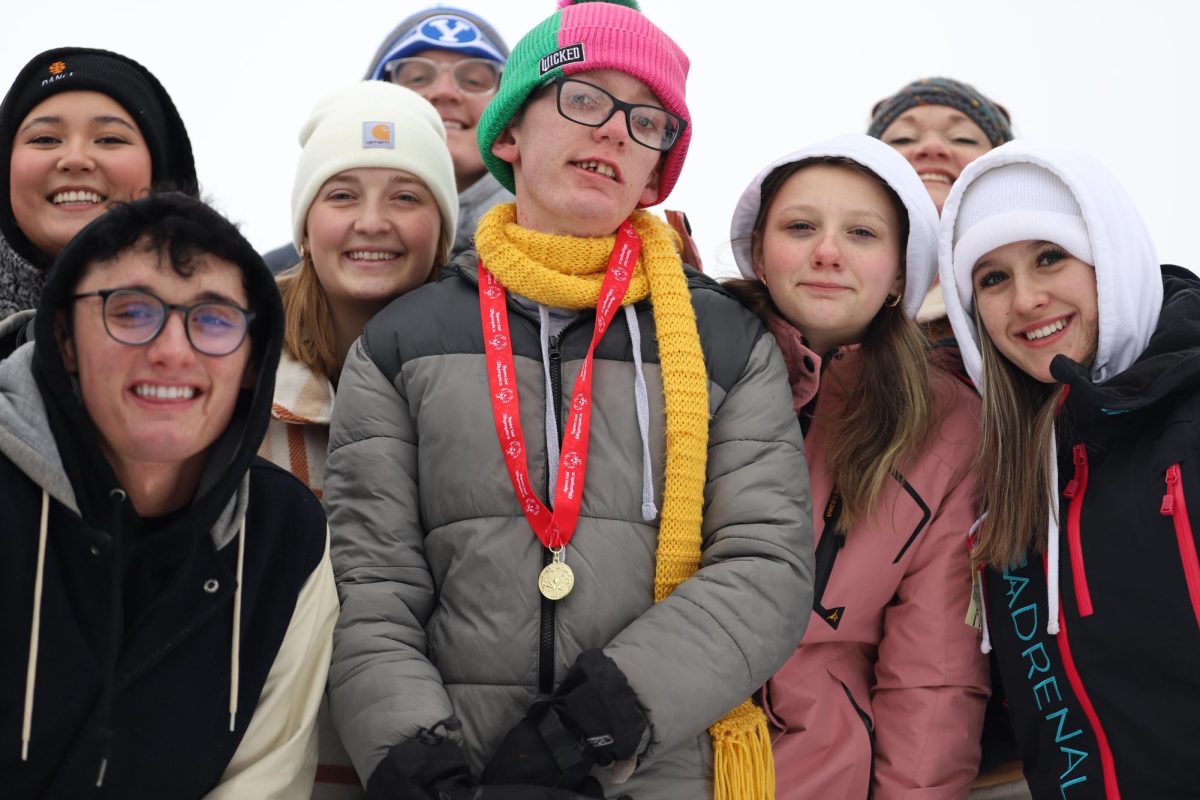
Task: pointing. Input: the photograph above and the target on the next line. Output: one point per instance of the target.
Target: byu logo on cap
(379, 134)
(449, 30)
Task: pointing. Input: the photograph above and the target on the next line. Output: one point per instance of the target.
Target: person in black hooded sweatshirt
(168, 600)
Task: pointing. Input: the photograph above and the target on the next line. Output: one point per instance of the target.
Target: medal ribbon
(553, 529)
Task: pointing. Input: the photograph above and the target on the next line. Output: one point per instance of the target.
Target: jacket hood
(61, 410)
(1169, 364)
(895, 171)
(1128, 285)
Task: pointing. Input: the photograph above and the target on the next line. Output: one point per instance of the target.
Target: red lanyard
(554, 530)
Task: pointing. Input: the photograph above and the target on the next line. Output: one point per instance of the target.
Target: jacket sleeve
(277, 757)
(931, 680)
(725, 630)
(382, 685)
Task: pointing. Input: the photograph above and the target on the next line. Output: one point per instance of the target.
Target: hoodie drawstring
(640, 399)
(1052, 541)
(642, 404)
(985, 645)
(235, 646)
(35, 633)
(118, 496)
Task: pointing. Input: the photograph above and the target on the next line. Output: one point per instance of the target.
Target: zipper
(546, 628)
(1076, 488)
(1108, 768)
(829, 546)
(546, 638)
(866, 721)
(1175, 507)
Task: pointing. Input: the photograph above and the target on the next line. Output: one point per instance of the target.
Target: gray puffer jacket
(437, 567)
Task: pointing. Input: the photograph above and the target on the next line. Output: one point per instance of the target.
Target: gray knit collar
(20, 281)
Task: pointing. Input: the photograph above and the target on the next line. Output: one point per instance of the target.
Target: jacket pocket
(870, 728)
(1175, 506)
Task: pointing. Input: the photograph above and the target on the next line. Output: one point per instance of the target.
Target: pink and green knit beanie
(587, 35)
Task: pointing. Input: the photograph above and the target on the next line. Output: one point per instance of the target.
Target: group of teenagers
(583, 521)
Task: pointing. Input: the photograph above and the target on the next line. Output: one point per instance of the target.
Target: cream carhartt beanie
(374, 124)
(1015, 203)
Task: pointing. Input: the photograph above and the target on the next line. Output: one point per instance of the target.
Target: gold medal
(556, 579)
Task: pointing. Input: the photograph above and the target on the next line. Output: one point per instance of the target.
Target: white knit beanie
(374, 124)
(1015, 203)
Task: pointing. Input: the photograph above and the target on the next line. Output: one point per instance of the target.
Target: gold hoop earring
(892, 302)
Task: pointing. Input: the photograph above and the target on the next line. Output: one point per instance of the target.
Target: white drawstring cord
(985, 646)
(1052, 541)
(642, 404)
(236, 647)
(35, 634)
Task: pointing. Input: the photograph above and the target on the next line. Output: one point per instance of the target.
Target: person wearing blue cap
(453, 59)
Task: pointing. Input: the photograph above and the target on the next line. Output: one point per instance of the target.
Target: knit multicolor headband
(586, 35)
(991, 117)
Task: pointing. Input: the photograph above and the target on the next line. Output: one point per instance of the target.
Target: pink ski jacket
(885, 695)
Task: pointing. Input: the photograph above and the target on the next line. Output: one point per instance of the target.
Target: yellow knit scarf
(567, 272)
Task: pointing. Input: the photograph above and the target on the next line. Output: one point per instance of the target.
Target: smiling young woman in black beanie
(79, 129)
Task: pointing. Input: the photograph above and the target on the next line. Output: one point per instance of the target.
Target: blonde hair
(1013, 463)
(308, 334)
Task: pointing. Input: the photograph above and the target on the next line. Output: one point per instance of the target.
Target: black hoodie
(133, 652)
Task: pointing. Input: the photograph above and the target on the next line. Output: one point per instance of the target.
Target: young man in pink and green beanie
(553, 586)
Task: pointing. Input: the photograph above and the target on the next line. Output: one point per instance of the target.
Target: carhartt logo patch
(571, 54)
(379, 134)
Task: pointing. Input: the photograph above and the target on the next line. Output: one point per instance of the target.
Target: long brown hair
(888, 413)
(308, 334)
(1013, 464)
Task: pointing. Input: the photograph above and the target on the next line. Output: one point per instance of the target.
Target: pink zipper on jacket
(1174, 506)
(1108, 765)
(1076, 488)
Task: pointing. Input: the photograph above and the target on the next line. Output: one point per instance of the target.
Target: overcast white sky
(1114, 78)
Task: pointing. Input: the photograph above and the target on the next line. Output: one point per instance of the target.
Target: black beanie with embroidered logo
(82, 69)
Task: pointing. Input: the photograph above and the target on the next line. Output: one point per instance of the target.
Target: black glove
(428, 767)
(592, 718)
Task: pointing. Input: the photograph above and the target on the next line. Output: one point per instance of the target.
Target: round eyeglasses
(588, 104)
(471, 75)
(136, 317)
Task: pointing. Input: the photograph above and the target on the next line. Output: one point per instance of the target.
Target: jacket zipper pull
(1079, 454)
(1167, 509)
